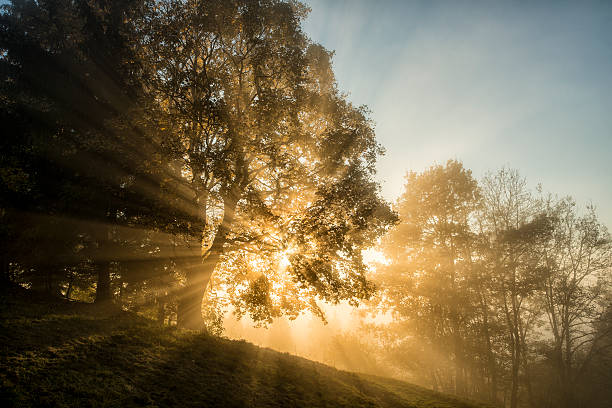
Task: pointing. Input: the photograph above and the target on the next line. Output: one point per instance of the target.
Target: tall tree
(430, 253)
(516, 230)
(578, 259)
(82, 154)
(275, 159)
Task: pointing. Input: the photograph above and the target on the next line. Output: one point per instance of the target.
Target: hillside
(62, 354)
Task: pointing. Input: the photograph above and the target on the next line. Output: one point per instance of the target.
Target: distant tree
(496, 292)
(431, 256)
(575, 293)
(594, 388)
(516, 230)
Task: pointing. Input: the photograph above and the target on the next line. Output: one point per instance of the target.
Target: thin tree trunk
(103, 289)
(568, 386)
(460, 385)
(515, 376)
(161, 310)
(511, 319)
(516, 343)
(492, 367)
(70, 281)
(4, 269)
(121, 290)
(491, 363)
(434, 380)
(527, 373)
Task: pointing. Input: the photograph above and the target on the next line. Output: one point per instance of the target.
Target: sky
(525, 84)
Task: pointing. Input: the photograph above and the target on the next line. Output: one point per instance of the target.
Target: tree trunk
(39, 282)
(198, 270)
(121, 290)
(491, 363)
(434, 380)
(103, 290)
(52, 283)
(190, 306)
(69, 288)
(527, 371)
(515, 354)
(568, 386)
(516, 359)
(4, 269)
(198, 274)
(460, 383)
(161, 310)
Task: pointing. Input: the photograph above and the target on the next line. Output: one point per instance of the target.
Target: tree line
(150, 148)
(498, 292)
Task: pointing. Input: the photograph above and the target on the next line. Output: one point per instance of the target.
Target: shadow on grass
(65, 355)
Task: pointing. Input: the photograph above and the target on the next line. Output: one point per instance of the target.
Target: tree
(65, 81)
(578, 259)
(496, 291)
(431, 255)
(595, 385)
(516, 230)
(214, 126)
(274, 159)
(82, 153)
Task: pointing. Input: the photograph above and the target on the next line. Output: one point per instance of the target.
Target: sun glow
(373, 257)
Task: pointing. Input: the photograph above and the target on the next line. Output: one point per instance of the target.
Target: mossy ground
(55, 353)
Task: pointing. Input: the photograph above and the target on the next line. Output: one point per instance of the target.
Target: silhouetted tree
(82, 157)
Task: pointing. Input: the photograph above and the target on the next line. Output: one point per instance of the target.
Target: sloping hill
(55, 353)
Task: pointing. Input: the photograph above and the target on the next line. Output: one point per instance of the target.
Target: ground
(55, 353)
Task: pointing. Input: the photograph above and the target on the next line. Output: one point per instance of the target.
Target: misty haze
(273, 203)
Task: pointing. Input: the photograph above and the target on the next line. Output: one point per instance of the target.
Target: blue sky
(491, 83)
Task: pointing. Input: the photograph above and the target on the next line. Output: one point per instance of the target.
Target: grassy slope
(55, 353)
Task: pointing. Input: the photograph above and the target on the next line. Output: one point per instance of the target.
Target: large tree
(212, 129)
(275, 160)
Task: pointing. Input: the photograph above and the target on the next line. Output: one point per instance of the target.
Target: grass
(56, 353)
